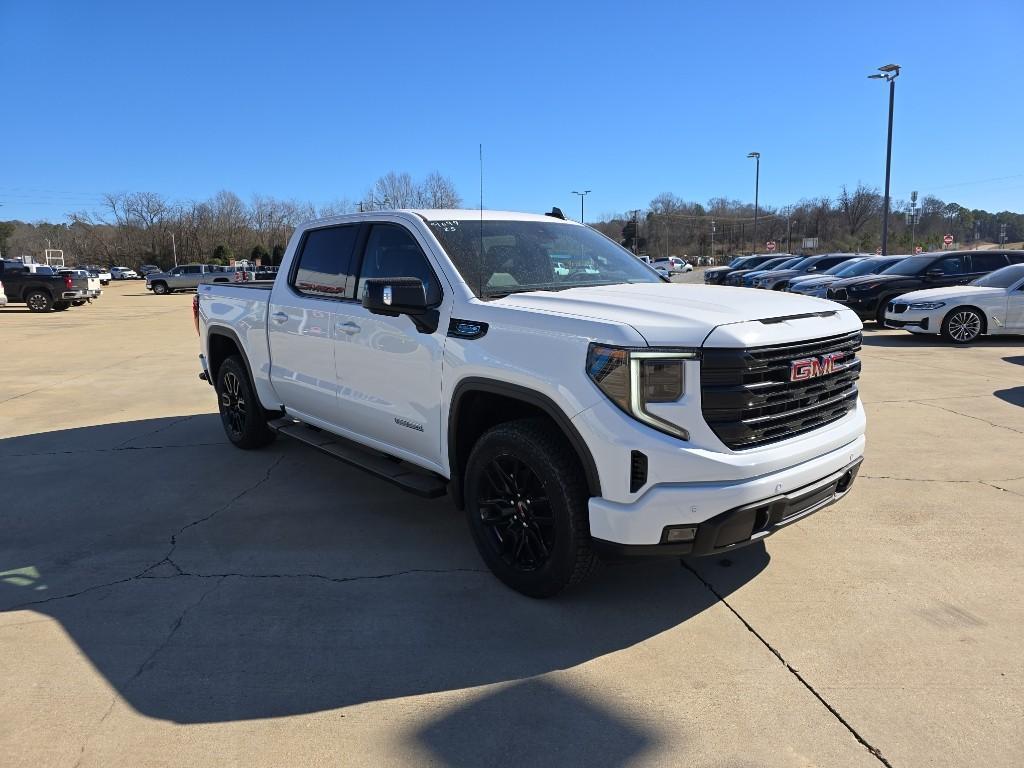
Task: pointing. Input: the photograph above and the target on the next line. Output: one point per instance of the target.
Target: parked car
(564, 422)
(993, 305)
(673, 264)
(751, 275)
(41, 290)
(103, 275)
(84, 281)
(717, 275)
(736, 276)
(817, 284)
(778, 280)
(146, 269)
(869, 295)
(123, 273)
(187, 277)
(3, 296)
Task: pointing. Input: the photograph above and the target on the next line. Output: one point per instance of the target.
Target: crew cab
(39, 289)
(83, 280)
(868, 296)
(605, 412)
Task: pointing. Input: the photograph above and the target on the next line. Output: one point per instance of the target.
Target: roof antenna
(481, 278)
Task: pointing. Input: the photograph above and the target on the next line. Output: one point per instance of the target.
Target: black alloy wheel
(526, 505)
(39, 301)
(243, 418)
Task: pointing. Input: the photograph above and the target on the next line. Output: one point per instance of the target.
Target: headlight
(635, 378)
(864, 287)
(928, 305)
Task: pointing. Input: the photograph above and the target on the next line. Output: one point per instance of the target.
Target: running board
(401, 473)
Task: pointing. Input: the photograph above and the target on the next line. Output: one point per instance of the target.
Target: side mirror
(395, 296)
(933, 273)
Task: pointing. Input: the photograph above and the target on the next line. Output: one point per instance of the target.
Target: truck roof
(443, 214)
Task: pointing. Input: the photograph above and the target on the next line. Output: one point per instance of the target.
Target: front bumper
(712, 505)
(911, 321)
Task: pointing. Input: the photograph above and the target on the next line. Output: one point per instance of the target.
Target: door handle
(349, 328)
(279, 317)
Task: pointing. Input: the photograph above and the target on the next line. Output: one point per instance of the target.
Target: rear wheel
(39, 301)
(962, 325)
(244, 420)
(526, 504)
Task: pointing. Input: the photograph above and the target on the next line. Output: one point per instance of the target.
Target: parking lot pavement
(166, 599)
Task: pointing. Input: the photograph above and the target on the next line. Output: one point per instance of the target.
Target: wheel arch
(479, 404)
(221, 343)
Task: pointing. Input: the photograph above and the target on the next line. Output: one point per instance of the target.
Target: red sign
(948, 239)
(770, 245)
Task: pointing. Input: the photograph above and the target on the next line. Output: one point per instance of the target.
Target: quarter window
(392, 251)
(324, 261)
(987, 262)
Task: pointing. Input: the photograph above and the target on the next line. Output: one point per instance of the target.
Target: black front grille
(838, 294)
(897, 309)
(748, 398)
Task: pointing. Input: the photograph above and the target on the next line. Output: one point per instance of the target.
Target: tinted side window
(1016, 258)
(827, 264)
(193, 270)
(953, 265)
(324, 261)
(392, 251)
(987, 262)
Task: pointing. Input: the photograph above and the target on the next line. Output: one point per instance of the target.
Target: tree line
(135, 228)
(851, 221)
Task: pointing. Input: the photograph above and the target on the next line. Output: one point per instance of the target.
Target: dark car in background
(752, 275)
(817, 284)
(868, 295)
(778, 280)
(717, 275)
(736, 276)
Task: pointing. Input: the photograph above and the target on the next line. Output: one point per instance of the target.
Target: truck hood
(951, 293)
(674, 314)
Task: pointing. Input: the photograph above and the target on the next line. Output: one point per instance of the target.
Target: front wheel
(962, 325)
(526, 504)
(241, 414)
(160, 289)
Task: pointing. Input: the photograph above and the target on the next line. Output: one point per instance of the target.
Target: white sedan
(993, 304)
(673, 264)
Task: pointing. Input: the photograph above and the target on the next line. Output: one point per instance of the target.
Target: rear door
(982, 263)
(301, 322)
(389, 372)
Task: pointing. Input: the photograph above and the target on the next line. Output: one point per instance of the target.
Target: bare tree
(859, 206)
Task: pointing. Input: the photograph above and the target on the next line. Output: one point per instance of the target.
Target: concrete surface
(166, 599)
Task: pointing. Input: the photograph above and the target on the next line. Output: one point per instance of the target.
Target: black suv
(868, 295)
(717, 275)
(778, 279)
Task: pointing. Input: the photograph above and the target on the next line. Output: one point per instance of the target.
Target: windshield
(536, 256)
(1001, 278)
(789, 263)
(771, 264)
(837, 269)
(865, 267)
(909, 266)
(738, 262)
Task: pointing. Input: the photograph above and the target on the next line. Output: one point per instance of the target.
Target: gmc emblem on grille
(813, 367)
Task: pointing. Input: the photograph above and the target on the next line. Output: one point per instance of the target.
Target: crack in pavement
(873, 750)
(179, 420)
(968, 416)
(989, 483)
(107, 450)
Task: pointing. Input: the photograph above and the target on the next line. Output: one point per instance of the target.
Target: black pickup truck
(40, 291)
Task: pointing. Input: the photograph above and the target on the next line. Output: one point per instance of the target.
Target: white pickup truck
(599, 412)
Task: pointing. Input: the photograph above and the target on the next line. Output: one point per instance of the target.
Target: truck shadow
(906, 340)
(295, 584)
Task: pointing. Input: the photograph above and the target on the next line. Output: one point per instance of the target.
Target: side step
(401, 473)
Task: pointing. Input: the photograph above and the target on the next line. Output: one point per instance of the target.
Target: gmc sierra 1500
(571, 400)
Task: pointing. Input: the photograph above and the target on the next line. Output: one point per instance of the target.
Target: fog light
(677, 535)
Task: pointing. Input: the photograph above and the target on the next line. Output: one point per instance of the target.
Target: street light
(582, 194)
(757, 184)
(889, 73)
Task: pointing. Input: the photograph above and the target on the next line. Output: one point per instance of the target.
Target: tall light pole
(582, 195)
(889, 73)
(757, 184)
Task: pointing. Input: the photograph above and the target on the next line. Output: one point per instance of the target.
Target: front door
(389, 372)
(1015, 308)
(302, 320)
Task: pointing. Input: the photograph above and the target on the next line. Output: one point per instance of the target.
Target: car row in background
(869, 295)
(718, 275)
(992, 304)
(40, 288)
(191, 276)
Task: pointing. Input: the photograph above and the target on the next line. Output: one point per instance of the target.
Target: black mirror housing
(934, 273)
(395, 296)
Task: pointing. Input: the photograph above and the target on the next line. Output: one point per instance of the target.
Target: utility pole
(174, 249)
(1002, 234)
(757, 185)
(636, 235)
(889, 73)
(712, 241)
(912, 219)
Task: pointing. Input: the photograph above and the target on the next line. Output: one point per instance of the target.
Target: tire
(60, 306)
(963, 325)
(535, 535)
(243, 418)
(39, 301)
(880, 312)
(160, 288)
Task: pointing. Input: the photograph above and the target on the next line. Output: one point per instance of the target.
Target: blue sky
(314, 101)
